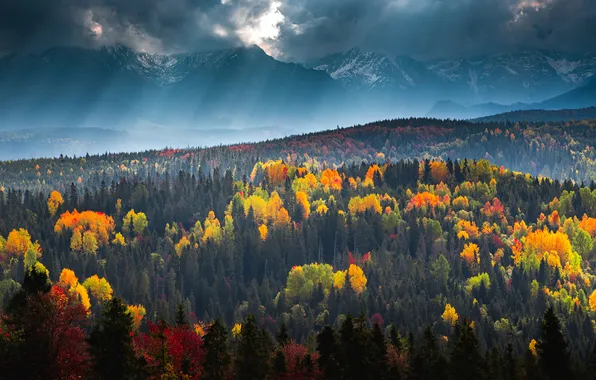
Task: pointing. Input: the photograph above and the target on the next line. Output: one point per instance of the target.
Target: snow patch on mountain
(524, 76)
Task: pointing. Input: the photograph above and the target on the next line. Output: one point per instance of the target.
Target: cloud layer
(303, 29)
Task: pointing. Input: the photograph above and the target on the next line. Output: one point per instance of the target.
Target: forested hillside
(557, 150)
(356, 257)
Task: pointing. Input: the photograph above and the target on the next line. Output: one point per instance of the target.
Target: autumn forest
(401, 249)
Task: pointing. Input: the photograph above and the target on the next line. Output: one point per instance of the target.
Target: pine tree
(181, 316)
(395, 338)
(466, 361)
(510, 364)
(110, 343)
(217, 359)
(23, 315)
(280, 366)
(327, 348)
(282, 336)
(378, 353)
(553, 354)
(252, 356)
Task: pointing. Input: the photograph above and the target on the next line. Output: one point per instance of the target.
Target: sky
(303, 30)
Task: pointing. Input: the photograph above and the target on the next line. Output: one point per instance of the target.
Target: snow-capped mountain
(116, 85)
(369, 70)
(527, 76)
(166, 69)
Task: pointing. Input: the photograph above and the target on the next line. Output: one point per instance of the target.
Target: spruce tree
(378, 353)
(110, 343)
(217, 358)
(252, 356)
(283, 337)
(181, 316)
(279, 365)
(327, 348)
(553, 354)
(466, 363)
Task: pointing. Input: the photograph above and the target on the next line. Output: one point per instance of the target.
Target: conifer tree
(217, 359)
(553, 353)
(252, 356)
(110, 343)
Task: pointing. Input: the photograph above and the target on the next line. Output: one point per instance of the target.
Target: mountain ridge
(244, 87)
(578, 98)
(528, 76)
(100, 87)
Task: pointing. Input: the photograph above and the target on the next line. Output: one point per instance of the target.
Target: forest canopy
(295, 257)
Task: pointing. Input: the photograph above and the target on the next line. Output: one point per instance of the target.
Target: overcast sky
(303, 29)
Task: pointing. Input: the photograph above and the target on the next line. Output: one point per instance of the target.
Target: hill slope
(582, 97)
(542, 115)
(335, 225)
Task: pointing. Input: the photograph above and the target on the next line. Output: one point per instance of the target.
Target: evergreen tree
(110, 343)
(283, 337)
(428, 362)
(181, 316)
(465, 361)
(327, 347)
(217, 359)
(553, 354)
(378, 353)
(252, 356)
(279, 365)
(29, 356)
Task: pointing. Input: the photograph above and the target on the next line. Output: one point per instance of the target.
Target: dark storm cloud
(439, 28)
(303, 29)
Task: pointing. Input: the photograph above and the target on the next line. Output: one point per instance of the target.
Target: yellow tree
(450, 315)
(302, 200)
(357, 279)
(275, 211)
(258, 206)
(438, 171)
(119, 240)
(54, 202)
(134, 221)
(89, 243)
(181, 245)
(470, 253)
(339, 279)
(592, 301)
(359, 205)
(69, 281)
(137, 312)
(212, 229)
(263, 232)
(330, 179)
(99, 288)
(19, 242)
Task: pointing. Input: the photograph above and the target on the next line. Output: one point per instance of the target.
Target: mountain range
(529, 76)
(559, 115)
(115, 87)
(581, 97)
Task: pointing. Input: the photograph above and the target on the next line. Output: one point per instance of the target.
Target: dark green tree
(110, 343)
(553, 354)
(465, 360)
(181, 316)
(280, 366)
(217, 359)
(327, 347)
(253, 352)
(282, 336)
